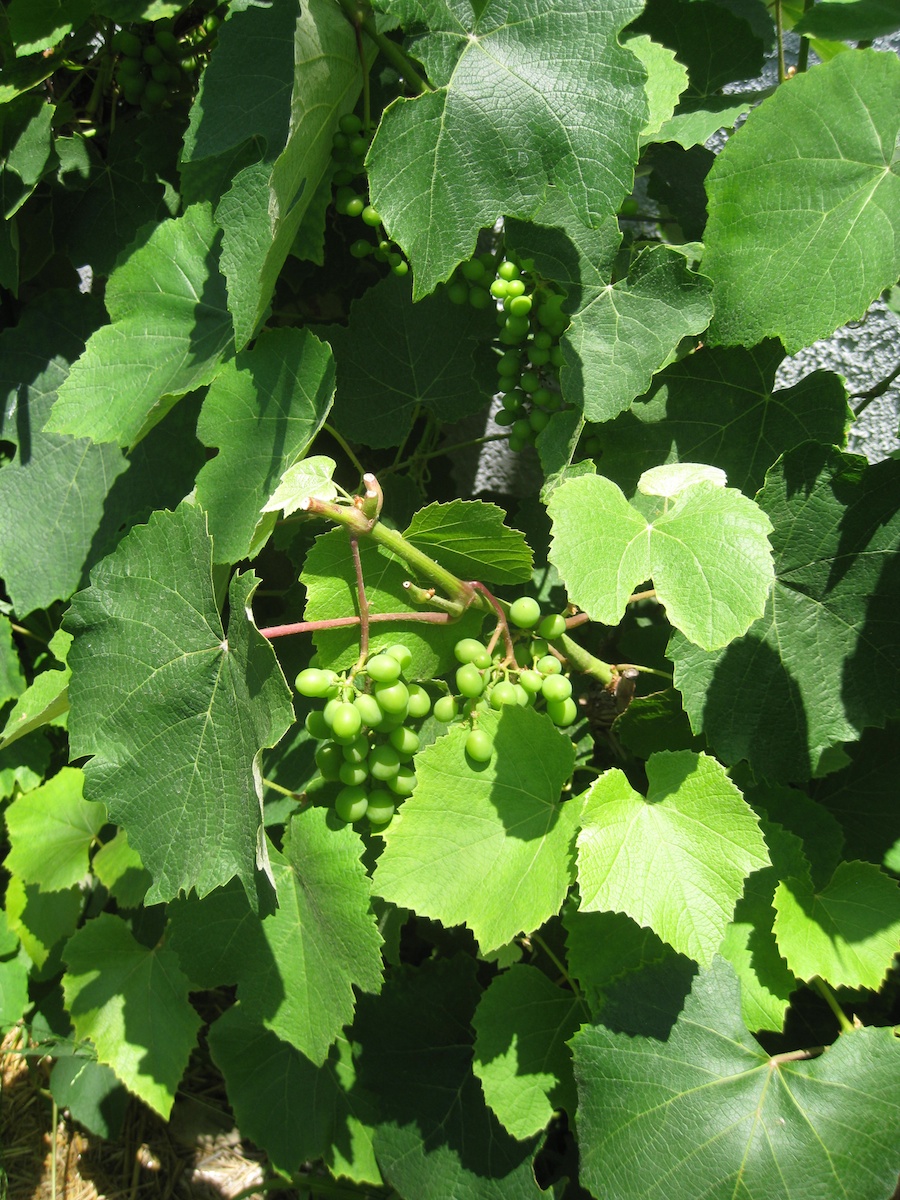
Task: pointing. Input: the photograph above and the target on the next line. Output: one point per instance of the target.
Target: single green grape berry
(517, 444)
(539, 647)
(520, 306)
(316, 725)
(351, 803)
(368, 708)
(529, 381)
(507, 270)
(593, 446)
(166, 40)
(384, 763)
(562, 712)
(392, 697)
(538, 357)
(361, 248)
(479, 746)
(473, 270)
(467, 650)
(553, 626)
(419, 702)
(538, 420)
(405, 741)
(502, 693)
(557, 356)
(542, 340)
(525, 612)
(152, 55)
(531, 681)
(384, 668)
(388, 724)
(353, 774)
(629, 207)
(314, 683)
(329, 760)
(479, 297)
(358, 146)
(345, 721)
(548, 665)
(514, 400)
(514, 288)
(458, 293)
(498, 289)
(342, 177)
(521, 429)
(350, 124)
(446, 709)
(504, 418)
(404, 781)
(356, 751)
(541, 396)
(523, 698)
(402, 654)
(370, 216)
(128, 43)
(381, 807)
(556, 688)
(155, 93)
(509, 363)
(469, 681)
(400, 268)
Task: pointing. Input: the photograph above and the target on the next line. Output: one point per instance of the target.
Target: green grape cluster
(486, 680)
(368, 733)
(349, 147)
(155, 65)
(531, 322)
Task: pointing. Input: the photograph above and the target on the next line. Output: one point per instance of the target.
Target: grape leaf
(666, 80)
(25, 148)
(119, 868)
(71, 477)
(296, 968)
(822, 663)
(92, 1094)
(733, 1120)
(523, 98)
(846, 932)
(132, 1002)
(521, 1026)
(330, 580)
(435, 1135)
(819, 832)
(676, 861)
(395, 355)
(863, 797)
(720, 405)
(631, 330)
(491, 847)
(656, 722)
(603, 947)
(43, 920)
(44, 701)
(800, 268)
(262, 411)
(292, 1109)
(707, 554)
(175, 710)
(13, 990)
(51, 831)
(313, 478)
(469, 538)
(12, 681)
(36, 24)
(170, 327)
(24, 767)
(842, 20)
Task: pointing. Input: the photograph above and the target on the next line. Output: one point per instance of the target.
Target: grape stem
(360, 17)
(502, 623)
(276, 631)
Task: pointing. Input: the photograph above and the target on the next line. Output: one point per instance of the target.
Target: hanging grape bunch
(158, 61)
(349, 147)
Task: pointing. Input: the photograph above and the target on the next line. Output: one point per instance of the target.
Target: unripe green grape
(155, 93)
(389, 723)
(152, 55)
(351, 803)
(402, 654)
(515, 331)
(361, 248)
(369, 709)
(548, 665)
(629, 207)
(593, 446)
(314, 683)
(562, 712)
(353, 774)
(340, 144)
(554, 404)
(469, 681)
(542, 340)
(502, 693)
(405, 741)
(552, 626)
(129, 68)
(346, 721)
(133, 89)
(383, 668)
(404, 781)
(498, 289)
(400, 268)
(518, 444)
(531, 681)
(538, 357)
(509, 363)
(479, 746)
(520, 306)
(393, 698)
(523, 697)
(521, 430)
(355, 207)
(473, 270)
(316, 725)
(350, 124)
(371, 216)
(556, 688)
(359, 146)
(381, 807)
(504, 418)
(467, 650)
(189, 64)
(356, 751)
(164, 73)
(384, 763)
(514, 401)
(541, 396)
(419, 702)
(446, 709)
(507, 270)
(458, 293)
(479, 297)
(525, 612)
(128, 43)
(342, 197)
(166, 40)
(538, 420)
(329, 760)
(539, 647)
(557, 356)
(529, 381)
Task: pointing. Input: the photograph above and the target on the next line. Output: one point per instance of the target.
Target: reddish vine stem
(502, 623)
(274, 631)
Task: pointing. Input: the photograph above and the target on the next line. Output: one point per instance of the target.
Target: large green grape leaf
(469, 538)
(521, 1025)
(706, 551)
(667, 78)
(842, 20)
(293, 1110)
(262, 412)
(488, 847)
(119, 868)
(25, 148)
(330, 581)
(435, 1134)
(174, 709)
(823, 663)
(675, 861)
(631, 330)
(708, 1113)
(604, 946)
(720, 405)
(526, 95)
(52, 493)
(36, 24)
(43, 920)
(12, 681)
(296, 968)
(169, 329)
(23, 768)
(395, 356)
(800, 268)
(846, 932)
(44, 701)
(132, 1001)
(863, 797)
(51, 831)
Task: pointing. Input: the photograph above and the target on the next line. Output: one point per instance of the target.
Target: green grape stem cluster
(154, 64)
(349, 147)
(531, 322)
(368, 733)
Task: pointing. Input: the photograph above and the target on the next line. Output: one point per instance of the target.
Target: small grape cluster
(487, 680)
(368, 737)
(154, 64)
(349, 147)
(531, 321)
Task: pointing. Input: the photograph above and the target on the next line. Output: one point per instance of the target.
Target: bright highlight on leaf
(311, 479)
(670, 480)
